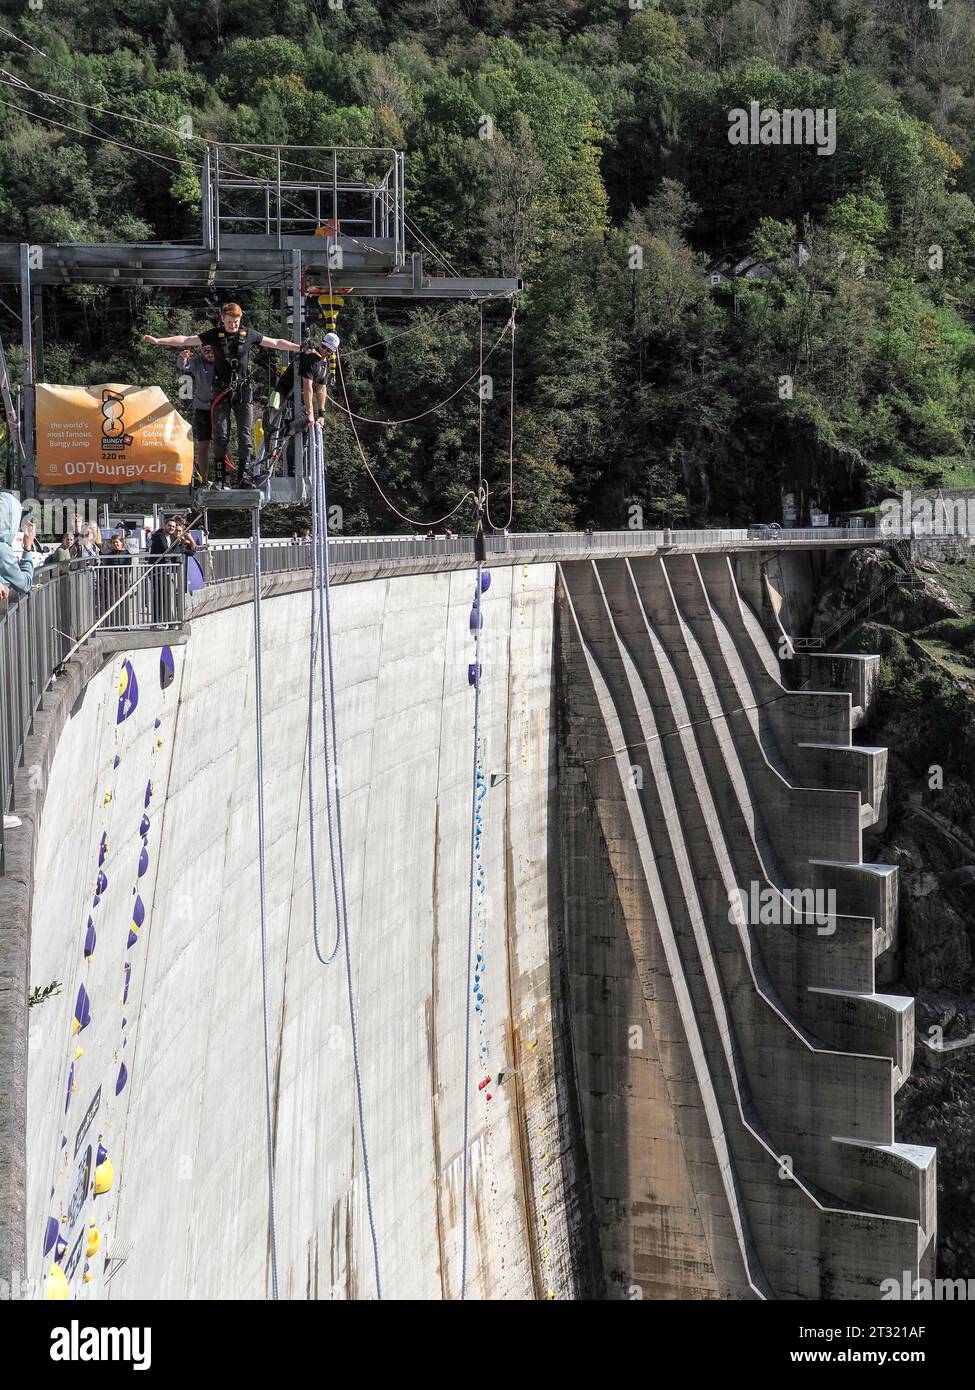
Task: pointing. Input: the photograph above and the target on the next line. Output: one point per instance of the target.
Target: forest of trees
(637, 381)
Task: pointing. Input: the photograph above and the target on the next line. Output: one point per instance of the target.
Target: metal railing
(278, 191)
(39, 629)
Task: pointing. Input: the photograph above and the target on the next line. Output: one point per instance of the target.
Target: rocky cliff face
(924, 712)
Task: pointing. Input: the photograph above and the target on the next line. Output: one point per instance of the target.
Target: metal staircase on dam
(745, 1148)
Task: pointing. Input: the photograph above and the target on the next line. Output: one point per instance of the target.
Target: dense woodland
(610, 131)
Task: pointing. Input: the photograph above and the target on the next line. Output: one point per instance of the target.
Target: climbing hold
(159, 743)
(138, 917)
(101, 1153)
(101, 883)
(128, 692)
(144, 826)
(157, 723)
(50, 1235)
(143, 861)
(82, 1011)
(167, 667)
(127, 976)
(148, 792)
(106, 798)
(67, 1099)
(474, 672)
(90, 940)
(477, 617)
(488, 1096)
(117, 761)
(103, 845)
(86, 1278)
(104, 1177)
(123, 1077)
(485, 581)
(482, 1084)
(79, 1053)
(56, 1285)
(94, 1242)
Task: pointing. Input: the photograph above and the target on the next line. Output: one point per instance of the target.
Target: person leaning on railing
(15, 573)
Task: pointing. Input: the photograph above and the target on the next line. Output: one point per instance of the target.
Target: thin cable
(318, 564)
(470, 931)
(87, 134)
(412, 521)
(511, 440)
(411, 419)
(318, 448)
(262, 873)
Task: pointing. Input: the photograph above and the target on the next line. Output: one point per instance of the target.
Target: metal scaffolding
(297, 215)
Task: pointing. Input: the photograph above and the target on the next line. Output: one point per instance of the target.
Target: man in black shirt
(314, 369)
(232, 346)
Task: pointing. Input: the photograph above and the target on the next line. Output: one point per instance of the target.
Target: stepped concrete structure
(684, 1063)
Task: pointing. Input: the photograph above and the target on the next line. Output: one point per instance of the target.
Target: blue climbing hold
(485, 581)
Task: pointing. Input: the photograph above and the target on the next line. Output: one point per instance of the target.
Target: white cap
(331, 341)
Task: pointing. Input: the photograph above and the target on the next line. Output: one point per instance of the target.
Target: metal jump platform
(296, 218)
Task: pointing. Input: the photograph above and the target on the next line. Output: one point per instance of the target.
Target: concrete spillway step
(677, 802)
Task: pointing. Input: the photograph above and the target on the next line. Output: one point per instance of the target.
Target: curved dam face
(683, 1063)
(154, 789)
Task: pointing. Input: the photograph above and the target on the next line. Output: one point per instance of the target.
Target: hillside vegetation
(609, 183)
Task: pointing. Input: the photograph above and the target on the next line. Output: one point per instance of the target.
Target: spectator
(199, 366)
(307, 536)
(15, 573)
(113, 581)
(295, 538)
(64, 553)
(164, 540)
(448, 534)
(430, 535)
(87, 547)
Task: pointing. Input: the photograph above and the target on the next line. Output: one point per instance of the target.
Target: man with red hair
(231, 345)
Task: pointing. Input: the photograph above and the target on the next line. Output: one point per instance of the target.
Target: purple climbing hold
(474, 672)
(82, 1010)
(477, 617)
(157, 723)
(143, 861)
(485, 581)
(148, 793)
(90, 940)
(128, 692)
(117, 761)
(144, 826)
(67, 1099)
(101, 883)
(102, 849)
(50, 1235)
(167, 670)
(101, 1155)
(123, 1077)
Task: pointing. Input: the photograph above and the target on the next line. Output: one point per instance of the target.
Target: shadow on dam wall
(640, 1063)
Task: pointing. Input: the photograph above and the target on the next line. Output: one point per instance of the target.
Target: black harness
(231, 352)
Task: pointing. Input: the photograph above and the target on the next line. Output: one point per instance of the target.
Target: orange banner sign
(111, 434)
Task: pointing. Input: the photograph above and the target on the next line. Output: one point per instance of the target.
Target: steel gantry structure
(284, 215)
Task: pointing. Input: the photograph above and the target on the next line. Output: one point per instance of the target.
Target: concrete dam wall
(668, 1099)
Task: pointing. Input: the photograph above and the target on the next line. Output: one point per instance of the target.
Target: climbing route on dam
(87, 1172)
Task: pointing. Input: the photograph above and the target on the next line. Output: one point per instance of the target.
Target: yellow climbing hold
(107, 798)
(86, 1277)
(56, 1286)
(79, 1053)
(159, 743)
(123, 681)
(104, 1177)
(94, 1242)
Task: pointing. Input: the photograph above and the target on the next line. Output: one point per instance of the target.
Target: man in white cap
(315, 367)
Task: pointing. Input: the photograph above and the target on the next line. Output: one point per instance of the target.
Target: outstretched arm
(279, 345)
(191, 341)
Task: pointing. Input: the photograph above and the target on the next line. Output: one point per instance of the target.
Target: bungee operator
(315, 367)
(232, 344)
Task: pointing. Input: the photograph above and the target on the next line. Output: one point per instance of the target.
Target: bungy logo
(114, 438)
